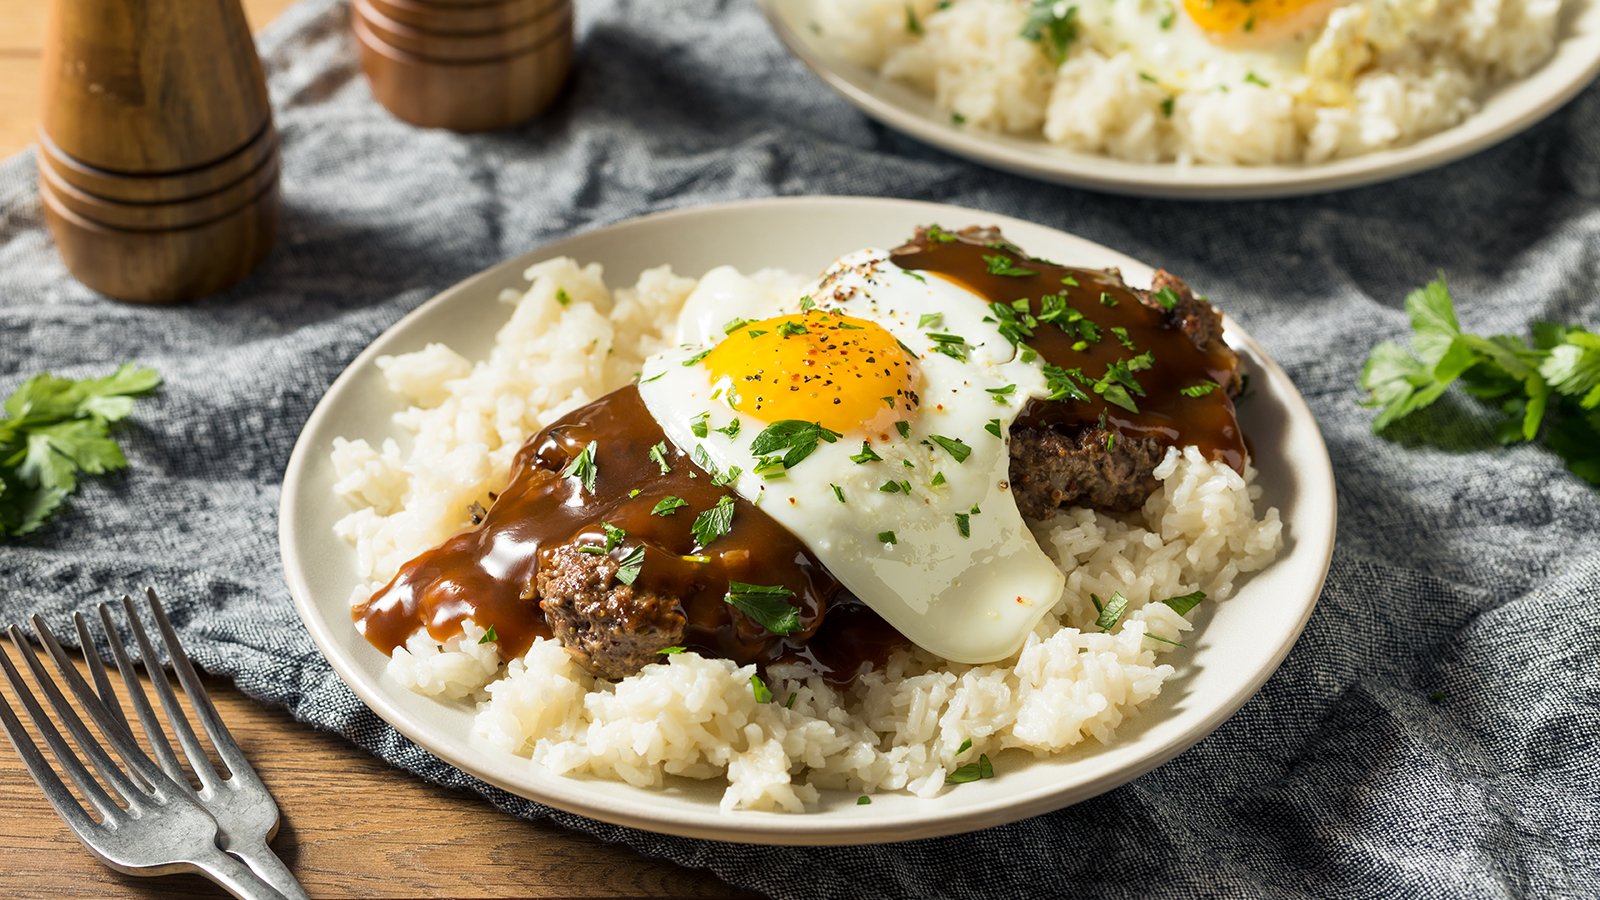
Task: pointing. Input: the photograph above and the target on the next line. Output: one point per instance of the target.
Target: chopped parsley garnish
(1182, 603)
(790, 329)
(807, 304)
(583, 467)
(634, 493)
(939, 235)
(866, 455)
(1013, 320)
(719, 477)
(1063, 385)
(700, 425)
(965, 746)
(666, 506)
(789, 703)
(1167, 104)
(755, 332)
(658, 455)
(1123, 337)
(993, 427)
(837, 492)
(953, 446)
(614, 536)
(796, 437)
(562, 297)
(887, 537)
(669, 651)
(957, 119)
(714, 522)
(629, 566)
(1110, 610)
(1199, 390)
(731, 429)
(972, 771)
(1053, 25)
(931, 320)
(1253, 78)
(964, 524)
(895, 487)
(1001, 393)
(903, 427)
(1170, 17)
(766, 604)
(938, 479)
(1167, 297)
(1001, 264)
(1108, 301)
(654, 377)
(759, 688)
(863, 800)
(888, 401)
(951, 345)
(695, 359)
(734, 324)
(489, 636)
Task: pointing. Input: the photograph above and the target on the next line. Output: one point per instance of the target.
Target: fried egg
(871, 418)
(1297, 46)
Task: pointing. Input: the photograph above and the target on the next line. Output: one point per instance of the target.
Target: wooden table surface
(354, 827)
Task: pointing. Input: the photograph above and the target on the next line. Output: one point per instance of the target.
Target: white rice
(1375, 74)
(898, 729)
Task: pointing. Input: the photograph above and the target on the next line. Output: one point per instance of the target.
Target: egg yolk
(845, 373)
(1243, 21)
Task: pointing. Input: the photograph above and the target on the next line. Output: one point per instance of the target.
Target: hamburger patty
(609, 628)
(1050, 470)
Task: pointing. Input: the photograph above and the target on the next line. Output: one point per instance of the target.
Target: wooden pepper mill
(466, 65)
(158, 162)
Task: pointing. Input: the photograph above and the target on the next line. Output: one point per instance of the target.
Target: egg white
(968, 599)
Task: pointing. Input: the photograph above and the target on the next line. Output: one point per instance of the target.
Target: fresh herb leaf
(766, 604)
(731, 429)
(489, 636)
(734, 324)
(695, 359)
(1110, 611)
(1182, 603)
(614, 536)
(759, 688)
(993, 427)
(714, 522)
(790, 329)
(1053, 25)
(700, 425)
(931, 320)
(965, 746)
(1199, 390)
(797, 438)
(583, 467)
(977, 771)
(867, 454)
(953, 446)
(903, 427)
(669, 651)
(562, 297)
(1001, 393)
(55, 428)
(1167, 297)
(1001, 264)
(630, 565)
(658, 454)
(887, 537)
(863, 800)
(951, 345)
(964, 524)
(837, 492)
(666, 506)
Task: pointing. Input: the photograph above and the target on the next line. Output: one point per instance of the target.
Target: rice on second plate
(569, 340)
(1159, 80)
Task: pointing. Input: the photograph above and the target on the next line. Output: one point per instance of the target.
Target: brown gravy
(1164, 411)
(487, 572)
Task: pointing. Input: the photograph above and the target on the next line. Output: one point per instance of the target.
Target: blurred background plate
(1510, 110)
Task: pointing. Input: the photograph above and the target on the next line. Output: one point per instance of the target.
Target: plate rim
(1035, 158)
(756, 827)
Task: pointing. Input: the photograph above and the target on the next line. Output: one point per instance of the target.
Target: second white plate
(1511, 109)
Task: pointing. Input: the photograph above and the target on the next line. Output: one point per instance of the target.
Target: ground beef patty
(1050, 470)
(610, 628)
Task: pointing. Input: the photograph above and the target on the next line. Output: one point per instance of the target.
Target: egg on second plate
(1293, 45)
(871, 418)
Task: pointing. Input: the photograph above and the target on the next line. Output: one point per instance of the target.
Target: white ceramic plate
(1226, 663)
(1510, 110)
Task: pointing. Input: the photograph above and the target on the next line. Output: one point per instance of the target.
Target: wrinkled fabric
(1433, 733)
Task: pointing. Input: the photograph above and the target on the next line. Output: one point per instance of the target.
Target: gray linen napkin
(1471, 571)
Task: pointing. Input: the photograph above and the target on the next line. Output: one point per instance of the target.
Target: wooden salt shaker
(465, 65)
(158, 162)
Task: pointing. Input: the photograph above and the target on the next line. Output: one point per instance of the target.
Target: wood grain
(353, 826)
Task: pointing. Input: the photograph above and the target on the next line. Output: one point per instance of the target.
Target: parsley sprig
(767, 604)
(55, 428)
(1546, 390)
(797, 439)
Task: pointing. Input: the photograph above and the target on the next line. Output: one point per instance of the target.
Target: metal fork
(245, 816)
(159, 830)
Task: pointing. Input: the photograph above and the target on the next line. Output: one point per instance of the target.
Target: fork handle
(269, 868)
(234, 876)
